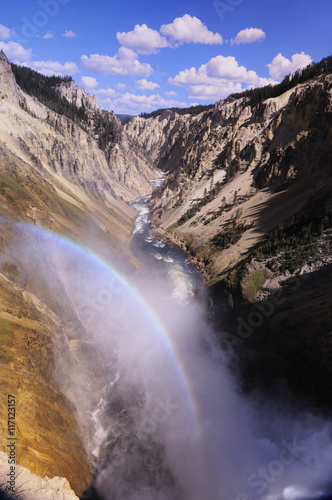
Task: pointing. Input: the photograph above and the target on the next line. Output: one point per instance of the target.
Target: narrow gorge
(166, 295)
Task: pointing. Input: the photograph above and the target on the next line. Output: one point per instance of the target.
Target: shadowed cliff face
(293, 342)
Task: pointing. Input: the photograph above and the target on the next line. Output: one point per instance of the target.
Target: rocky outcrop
(157, 136)
(131, 168)
(78, 96)
(8, 87)
(32, 487)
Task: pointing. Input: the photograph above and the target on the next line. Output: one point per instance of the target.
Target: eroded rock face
(156, 136)
(8, 87)
(273, 155)
(56, 144)
(78, 96)
(298, 120)
(131, 168)
(29, 486)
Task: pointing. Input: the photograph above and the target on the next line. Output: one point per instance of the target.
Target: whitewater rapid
(161, 257)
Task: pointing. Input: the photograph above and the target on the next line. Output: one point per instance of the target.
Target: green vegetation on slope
(292, 244)
(44, 89)
(251, 284)
(107, 129)
(224, 239)
(5, 328)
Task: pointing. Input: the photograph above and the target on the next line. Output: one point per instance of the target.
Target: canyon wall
(256, 164)
(248, 196)
(54, 175)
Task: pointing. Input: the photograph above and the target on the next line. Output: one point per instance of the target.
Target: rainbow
(156, 323)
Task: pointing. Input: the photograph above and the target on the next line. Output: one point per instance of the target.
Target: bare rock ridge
(8, 87)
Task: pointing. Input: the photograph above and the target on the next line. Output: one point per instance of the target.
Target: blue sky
(142, 55)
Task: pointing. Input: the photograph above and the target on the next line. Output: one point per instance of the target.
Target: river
(162, 258)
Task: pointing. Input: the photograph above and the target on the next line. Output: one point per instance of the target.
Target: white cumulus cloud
(248, 35)
(217, 79)
(218, 68)
(69, 34)
(228, 68)
(142, 39)
(125, 62)
(48, 35)
(89, 82)
(281, 66)
(5, 33)
(50, 68)
(189, 29)
(16, 51)
(213, 92)
(146, 85)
